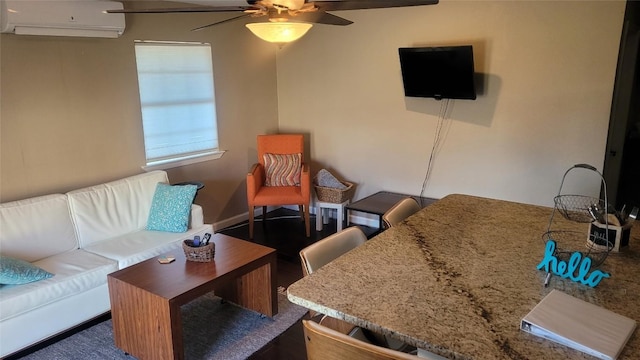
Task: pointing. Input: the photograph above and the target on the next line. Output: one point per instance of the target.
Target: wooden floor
(284, 231)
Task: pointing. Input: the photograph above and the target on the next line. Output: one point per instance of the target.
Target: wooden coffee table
(146, 297)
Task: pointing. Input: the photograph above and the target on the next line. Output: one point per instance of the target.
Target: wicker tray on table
(334, 195)
(202, 253)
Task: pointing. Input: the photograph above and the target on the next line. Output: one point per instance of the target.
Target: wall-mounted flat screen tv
(438, 72)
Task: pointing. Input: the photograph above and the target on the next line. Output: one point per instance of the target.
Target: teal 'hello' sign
(576, 269)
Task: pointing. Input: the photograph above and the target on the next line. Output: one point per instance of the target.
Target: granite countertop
(457, 277)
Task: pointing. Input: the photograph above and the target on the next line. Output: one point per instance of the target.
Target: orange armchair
(259, 194)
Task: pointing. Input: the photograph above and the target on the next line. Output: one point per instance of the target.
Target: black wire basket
(567, 243)
(576, 207)
(579, 209)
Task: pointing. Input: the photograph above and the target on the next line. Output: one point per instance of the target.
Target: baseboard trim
(234, 220)
(365, 220)
(219, 225)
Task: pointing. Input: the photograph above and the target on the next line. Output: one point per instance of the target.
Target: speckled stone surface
(457, 277)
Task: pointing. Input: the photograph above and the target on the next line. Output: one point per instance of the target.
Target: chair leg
(251, 214)
(319, 218)
(306, 221)
(304, 215)
(264, 216)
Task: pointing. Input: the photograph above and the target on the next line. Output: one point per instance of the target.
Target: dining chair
(324, 251)
(324, 343)
(400, 211)
(280, 177)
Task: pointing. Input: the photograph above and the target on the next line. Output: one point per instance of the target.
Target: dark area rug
(213, 329)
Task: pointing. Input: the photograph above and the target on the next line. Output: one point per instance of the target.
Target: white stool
(322, 213)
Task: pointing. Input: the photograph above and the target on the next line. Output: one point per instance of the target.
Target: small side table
(322, 213)
(380, 202)
(196, 183)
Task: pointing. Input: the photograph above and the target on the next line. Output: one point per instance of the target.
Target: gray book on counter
(580, 325)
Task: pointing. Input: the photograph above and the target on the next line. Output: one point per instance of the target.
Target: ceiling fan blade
(221, 22)
(183, 10)
(332, 5)
(321, 17)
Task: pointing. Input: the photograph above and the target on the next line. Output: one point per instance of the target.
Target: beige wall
(548, 68)
(70, 111)
(70, 116)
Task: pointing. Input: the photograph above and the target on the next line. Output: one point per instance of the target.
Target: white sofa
(80, 237)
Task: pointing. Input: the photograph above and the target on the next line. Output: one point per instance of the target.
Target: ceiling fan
(287, 20)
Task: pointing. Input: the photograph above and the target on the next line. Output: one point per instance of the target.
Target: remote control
(196, 240)
(206, 238)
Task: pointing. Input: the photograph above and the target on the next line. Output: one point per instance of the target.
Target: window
(178, 103)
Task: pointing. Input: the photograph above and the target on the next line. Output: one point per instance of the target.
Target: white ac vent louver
(83, 18)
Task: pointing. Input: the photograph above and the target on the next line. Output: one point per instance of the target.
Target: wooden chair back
(400, 211)
(324, 251)
(323, 343)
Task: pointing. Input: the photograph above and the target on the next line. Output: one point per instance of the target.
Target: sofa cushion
(170, 207)
(36, 228)
(115, 208)
(15, 271)
(134, 247)
(282, 169)
(76, 271)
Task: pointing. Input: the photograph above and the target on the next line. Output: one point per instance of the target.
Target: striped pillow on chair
(282, 169)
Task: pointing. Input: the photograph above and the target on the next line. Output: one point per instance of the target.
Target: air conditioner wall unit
(84, 18)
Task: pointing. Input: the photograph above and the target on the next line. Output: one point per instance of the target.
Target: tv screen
(438, 72)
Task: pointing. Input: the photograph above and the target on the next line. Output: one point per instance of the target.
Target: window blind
(177, 99)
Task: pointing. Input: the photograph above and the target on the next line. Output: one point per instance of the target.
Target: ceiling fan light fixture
(279, 32)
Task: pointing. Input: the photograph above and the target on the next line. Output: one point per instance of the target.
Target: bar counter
(457, 277)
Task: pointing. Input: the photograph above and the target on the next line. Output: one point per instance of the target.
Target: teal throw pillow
(171, 207)
(15, 271)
